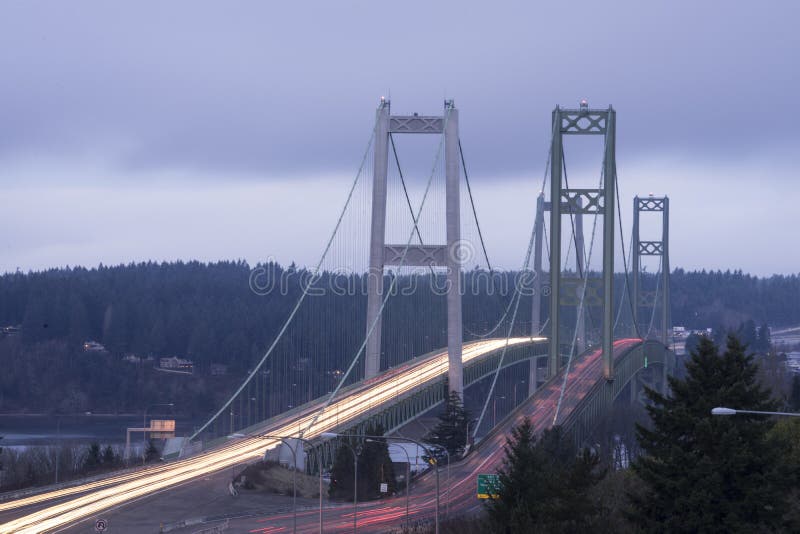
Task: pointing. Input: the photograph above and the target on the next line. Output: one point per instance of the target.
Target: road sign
(384, 487)
(101, 525)
(162, 428)
(488, 484)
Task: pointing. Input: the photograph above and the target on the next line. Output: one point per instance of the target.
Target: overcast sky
(196, 130)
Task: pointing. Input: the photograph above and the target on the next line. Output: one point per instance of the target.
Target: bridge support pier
(412, 254)
(533, 376)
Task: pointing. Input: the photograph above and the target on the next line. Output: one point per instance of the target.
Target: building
(93, 346)
(173, 363)
(793, 361)
(10, 330)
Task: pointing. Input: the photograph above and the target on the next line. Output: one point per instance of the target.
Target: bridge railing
(584, 417)
(412, 405)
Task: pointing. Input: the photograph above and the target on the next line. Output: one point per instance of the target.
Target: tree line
(217, 313)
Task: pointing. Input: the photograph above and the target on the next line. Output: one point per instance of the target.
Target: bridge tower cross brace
(583, 121)
(652, 248)
(541, 208)
(417, 255)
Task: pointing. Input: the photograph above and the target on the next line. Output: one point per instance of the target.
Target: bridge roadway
(458, 496)
(57, 509)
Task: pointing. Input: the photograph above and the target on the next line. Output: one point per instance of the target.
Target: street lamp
(284, 440)
(515, 391)
(144, 425)
(447, 498)
(294, 475)
(730, 411)
(494, 409)
(409, 440)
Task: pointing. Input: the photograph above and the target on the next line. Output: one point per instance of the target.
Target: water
(42, 430)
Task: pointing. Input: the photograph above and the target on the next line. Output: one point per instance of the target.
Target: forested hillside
(227, 313)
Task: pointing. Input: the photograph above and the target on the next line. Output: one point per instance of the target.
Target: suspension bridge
(404, 306)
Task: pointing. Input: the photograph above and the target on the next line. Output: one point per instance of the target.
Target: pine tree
(151, 454)
(543, 484)
(109, 458)
(375, 467)
(341, 486)
(92, 460)
(794, 395)
(748, 334)
(450, 432)
(692, 342)
(707, 473)
(763, 338)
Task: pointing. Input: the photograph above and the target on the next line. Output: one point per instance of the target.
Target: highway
(54, 510)
(458, 497)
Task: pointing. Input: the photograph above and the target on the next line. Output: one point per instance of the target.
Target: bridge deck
(89, 499)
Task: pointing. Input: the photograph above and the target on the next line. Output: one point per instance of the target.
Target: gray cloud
(127, 93)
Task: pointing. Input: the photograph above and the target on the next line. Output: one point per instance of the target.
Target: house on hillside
(173, 363)
(10, 331)
(93, 346)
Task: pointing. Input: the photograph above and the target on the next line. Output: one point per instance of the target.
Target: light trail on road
(116, 491)
(378, 516)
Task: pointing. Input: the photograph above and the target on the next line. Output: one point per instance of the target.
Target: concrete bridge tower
(443, 255)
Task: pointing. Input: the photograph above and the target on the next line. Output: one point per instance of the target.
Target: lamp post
(494, 410)
(409, 440)
(319, 468)
(730, 411)
(144, 426)
(447, 498)
(408, 480)
(285, 441)
(58, 445)
(515, 391)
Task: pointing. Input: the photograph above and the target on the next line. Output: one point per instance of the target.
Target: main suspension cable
(311, 280)
(631, 304)
(518, 289)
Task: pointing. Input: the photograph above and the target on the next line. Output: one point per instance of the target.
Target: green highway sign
(488, 484)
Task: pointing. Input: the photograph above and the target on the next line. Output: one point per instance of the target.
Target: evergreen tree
(93, 458)
(151, 454)
(375, 467)
(692, 342)
(342, 476)
(450, 432)
(543, 484)
(794, 394)
(109, 458)
(763, 339)
(748, 335)
(707, 473)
